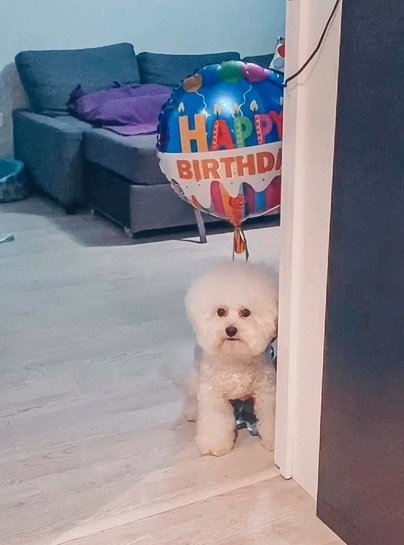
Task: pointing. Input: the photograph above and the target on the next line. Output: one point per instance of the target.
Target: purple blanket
(127, 110)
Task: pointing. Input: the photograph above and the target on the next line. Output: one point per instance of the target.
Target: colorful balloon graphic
(219, 140)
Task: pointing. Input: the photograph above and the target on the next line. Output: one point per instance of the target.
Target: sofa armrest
(51, 148)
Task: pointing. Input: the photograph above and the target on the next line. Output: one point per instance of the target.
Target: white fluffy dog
(234, 313)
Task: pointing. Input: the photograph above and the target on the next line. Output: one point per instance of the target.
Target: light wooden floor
(93, 345)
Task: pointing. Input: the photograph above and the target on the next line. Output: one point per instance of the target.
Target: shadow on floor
(95, 230)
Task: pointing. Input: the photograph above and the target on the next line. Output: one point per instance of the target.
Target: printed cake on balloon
(219, 140)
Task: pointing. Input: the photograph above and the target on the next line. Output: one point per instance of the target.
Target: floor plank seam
(160, 507)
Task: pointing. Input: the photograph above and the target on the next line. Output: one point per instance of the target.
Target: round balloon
(219, 140)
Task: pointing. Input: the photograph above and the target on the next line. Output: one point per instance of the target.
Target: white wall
(167, 26)
(308, 151)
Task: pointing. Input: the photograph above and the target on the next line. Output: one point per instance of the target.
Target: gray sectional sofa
(78, 164)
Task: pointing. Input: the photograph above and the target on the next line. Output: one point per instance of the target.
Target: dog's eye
(221, 312)
(245, 313)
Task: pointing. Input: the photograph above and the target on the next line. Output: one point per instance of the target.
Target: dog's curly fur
(234, 312)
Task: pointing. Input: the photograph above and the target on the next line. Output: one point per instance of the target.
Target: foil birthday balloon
(219, 140)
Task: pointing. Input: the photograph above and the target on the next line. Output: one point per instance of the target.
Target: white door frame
(308, 152)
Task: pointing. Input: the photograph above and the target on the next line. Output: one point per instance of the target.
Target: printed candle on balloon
(220, 140)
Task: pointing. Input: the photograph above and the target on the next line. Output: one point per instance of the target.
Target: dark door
(361, 478)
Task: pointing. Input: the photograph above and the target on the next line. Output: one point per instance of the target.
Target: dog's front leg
(215, 429)
(264, 408)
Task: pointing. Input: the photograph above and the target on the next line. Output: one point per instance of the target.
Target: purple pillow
(128, 109)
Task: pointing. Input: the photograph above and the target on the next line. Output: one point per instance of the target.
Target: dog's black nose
(231, 331)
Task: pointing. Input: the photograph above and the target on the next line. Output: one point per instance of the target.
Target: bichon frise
(234, 312)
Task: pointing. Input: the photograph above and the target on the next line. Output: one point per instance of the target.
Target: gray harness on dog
(244, 410)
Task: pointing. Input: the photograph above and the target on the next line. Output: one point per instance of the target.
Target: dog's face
(234, 310)
(237, 329)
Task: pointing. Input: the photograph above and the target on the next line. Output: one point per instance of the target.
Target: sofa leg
(128, 232)
(70, 209)
(201, 226)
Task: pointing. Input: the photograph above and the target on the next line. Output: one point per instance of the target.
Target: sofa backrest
(170, 70)
(263, 60)
(49, 77)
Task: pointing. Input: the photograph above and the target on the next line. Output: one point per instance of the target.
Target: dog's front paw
(267, 435)
(218, 447)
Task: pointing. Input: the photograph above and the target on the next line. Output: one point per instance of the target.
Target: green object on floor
(8, 238)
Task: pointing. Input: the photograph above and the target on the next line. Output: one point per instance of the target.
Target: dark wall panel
(361, 479)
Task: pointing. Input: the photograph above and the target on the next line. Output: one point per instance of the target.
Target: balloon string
(240, 245)
(317, 48)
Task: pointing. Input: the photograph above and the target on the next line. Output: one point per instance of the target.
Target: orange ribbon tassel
(240, 243)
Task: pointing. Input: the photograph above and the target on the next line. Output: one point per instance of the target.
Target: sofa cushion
(49, 77)
(263, 60)
(172, 69)
(133, 157)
